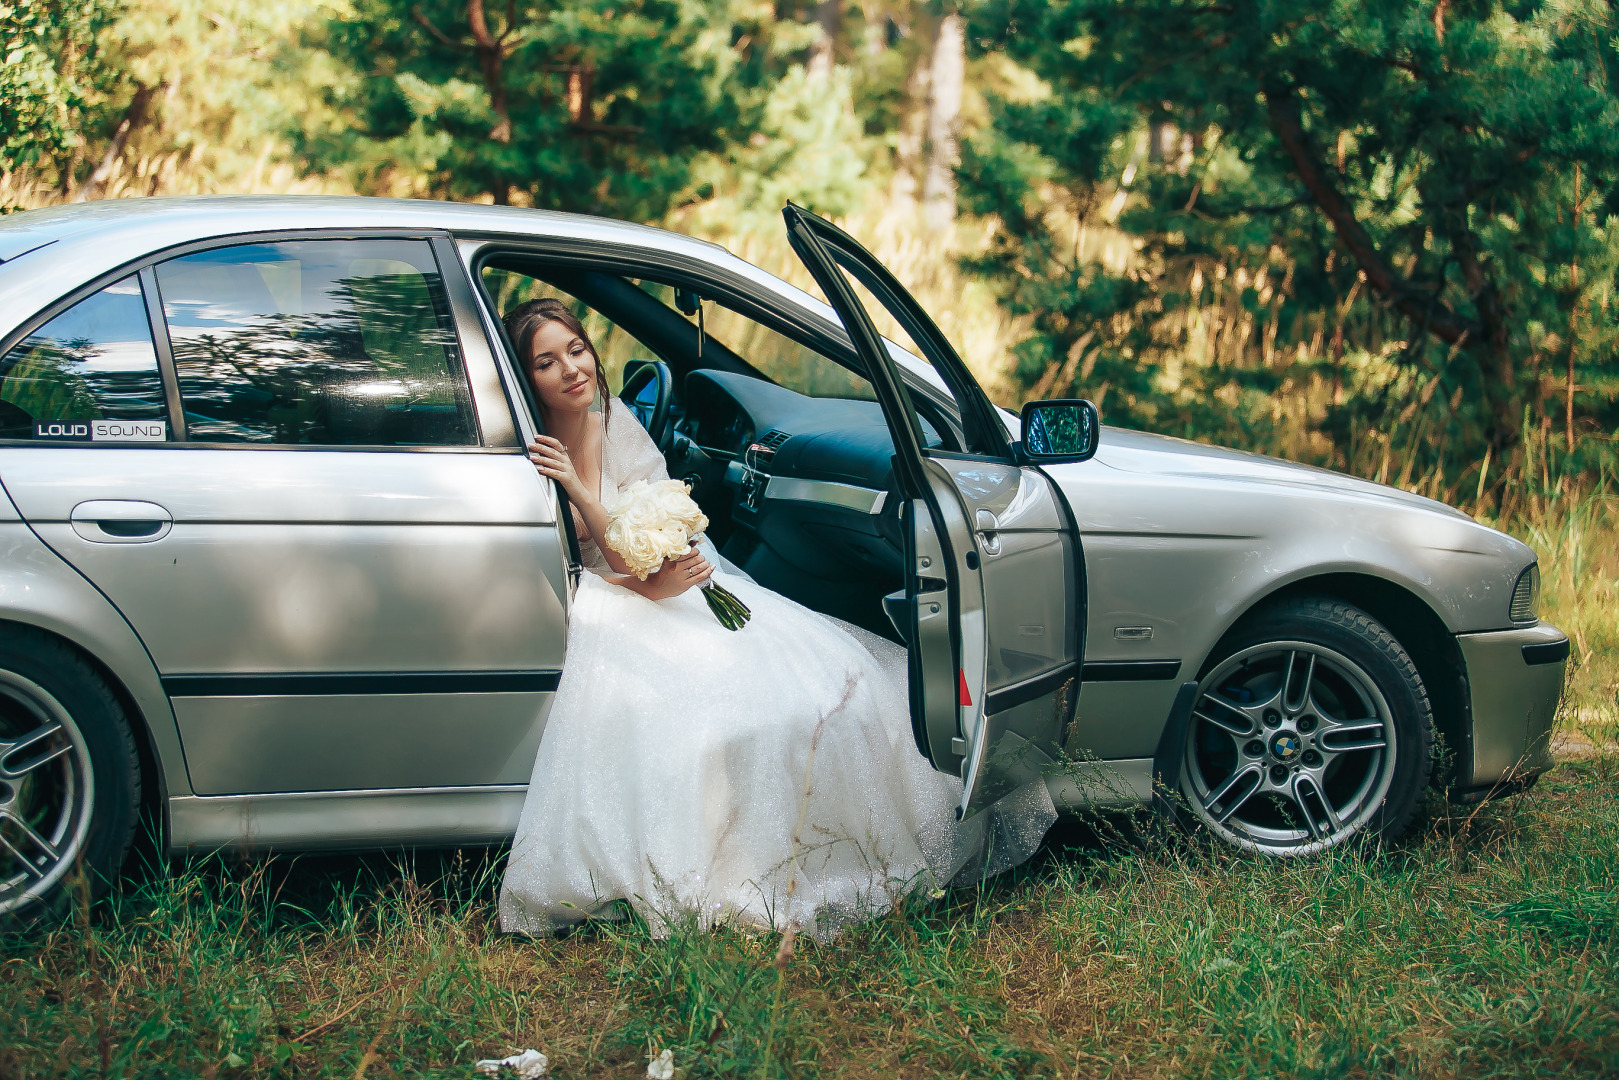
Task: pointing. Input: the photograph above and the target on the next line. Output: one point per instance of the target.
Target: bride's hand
(551, 459)
(678, 575)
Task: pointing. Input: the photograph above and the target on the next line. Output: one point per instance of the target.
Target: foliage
(1409, 202)
(54, 68)
(596, 105)
(162, 96)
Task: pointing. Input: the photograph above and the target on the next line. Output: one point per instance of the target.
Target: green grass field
(1484, 945)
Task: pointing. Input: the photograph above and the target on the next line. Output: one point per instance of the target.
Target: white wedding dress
(765, 776)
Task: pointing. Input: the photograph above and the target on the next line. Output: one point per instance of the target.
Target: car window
(784, 361)
(778, 357)
(89, 374)
(885, 321)
(615, 346)
(326, 342)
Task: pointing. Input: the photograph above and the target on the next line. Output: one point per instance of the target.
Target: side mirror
(1066, 429)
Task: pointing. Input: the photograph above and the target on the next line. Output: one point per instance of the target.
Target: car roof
(196, 217)
(49, 252)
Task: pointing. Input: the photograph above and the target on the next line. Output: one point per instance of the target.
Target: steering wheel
(648, 385)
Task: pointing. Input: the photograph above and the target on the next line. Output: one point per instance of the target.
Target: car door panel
(344, 580)
(1009, 547)
(236, 745)
(1028, 671)
(379, 564)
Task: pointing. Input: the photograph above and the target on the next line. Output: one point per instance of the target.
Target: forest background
(1371, 235)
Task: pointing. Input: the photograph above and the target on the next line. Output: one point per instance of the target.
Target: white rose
(676, 501)
(675, 541)
(652, 522)
(642, 553)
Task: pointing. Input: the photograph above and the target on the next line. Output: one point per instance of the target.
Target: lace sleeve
(629, 453)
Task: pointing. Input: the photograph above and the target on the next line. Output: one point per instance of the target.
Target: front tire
(69, 776)
(1312, 729)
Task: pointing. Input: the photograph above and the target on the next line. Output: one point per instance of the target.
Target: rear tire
(1312, 729)
(69, 777)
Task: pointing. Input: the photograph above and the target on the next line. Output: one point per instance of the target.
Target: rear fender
(37, 588)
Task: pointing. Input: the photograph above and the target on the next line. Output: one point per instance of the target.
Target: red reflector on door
(965, 697)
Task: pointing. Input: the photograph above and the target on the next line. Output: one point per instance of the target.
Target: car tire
(69, 777)
(1311, 729)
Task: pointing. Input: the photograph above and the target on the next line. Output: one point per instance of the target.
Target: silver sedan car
(275, 569)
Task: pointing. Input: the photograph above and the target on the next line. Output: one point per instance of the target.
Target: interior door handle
(897, 606)
(120, 521)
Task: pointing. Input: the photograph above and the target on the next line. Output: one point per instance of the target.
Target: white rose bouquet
(656, 520)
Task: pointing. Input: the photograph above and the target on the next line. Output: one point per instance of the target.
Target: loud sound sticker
(102, 430)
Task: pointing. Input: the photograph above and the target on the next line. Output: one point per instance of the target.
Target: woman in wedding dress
(765, 776)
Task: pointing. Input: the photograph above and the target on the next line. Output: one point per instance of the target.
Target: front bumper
(1514, 681)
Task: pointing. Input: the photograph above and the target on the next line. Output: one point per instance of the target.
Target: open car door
(993, 608)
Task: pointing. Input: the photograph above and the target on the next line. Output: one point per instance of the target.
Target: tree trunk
(829, 14)
(134, 116)
(491, 54)
(1487, 337)
(945, 83)
(1494, 348)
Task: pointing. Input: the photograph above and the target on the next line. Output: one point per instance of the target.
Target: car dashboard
(800, 487)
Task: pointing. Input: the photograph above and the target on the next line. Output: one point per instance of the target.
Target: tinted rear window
(89, 366)
(327, 342)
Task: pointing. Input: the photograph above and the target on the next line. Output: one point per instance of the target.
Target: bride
(764, 776)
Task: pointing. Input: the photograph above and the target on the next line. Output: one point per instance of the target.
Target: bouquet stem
(732, 613)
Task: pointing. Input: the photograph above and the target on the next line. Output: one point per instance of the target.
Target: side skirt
(346, 820)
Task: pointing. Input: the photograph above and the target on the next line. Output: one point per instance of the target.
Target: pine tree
(1431, 181)
(595, 105)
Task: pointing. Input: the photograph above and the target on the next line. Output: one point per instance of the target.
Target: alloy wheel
(46, 792)
(1290, 750)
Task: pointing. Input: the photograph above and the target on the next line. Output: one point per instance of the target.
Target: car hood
(1141, 452)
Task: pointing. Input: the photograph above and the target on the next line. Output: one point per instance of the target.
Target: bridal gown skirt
(765, 776)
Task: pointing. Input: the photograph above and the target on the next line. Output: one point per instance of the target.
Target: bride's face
(562, 369)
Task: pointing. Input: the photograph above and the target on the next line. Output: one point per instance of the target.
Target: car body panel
(1175, 558)
(295, 563)
(1513, 702)
(38, 589)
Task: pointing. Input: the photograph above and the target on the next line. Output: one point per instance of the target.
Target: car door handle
(120, 521)
(988, 537)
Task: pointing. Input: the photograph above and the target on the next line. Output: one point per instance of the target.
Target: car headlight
(1526, 595)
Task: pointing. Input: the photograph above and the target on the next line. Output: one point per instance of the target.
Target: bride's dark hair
(524, 319)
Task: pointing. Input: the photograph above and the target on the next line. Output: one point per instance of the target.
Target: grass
(1484, 945)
